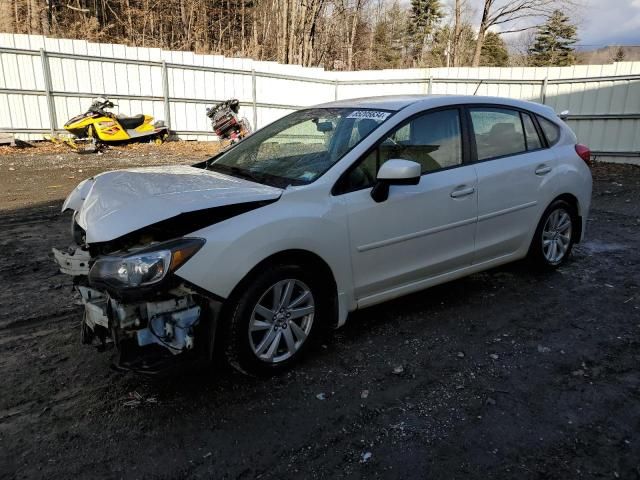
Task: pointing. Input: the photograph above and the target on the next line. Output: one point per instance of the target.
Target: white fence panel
(44, 79)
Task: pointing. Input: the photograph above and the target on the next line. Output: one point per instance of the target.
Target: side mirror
(395, 172)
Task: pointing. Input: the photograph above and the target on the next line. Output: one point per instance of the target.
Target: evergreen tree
(553, 45)
(619, 57)
(441, 46)
(390, 39)
(494, 51)
(425, 16)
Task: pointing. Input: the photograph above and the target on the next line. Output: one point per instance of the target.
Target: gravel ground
(504, 374)
(49, 172)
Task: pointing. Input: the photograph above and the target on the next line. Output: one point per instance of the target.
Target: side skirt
(437, 280)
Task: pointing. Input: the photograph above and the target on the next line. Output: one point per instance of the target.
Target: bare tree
(345, 34)
(505, 14)
(7, 16)
(457, 29)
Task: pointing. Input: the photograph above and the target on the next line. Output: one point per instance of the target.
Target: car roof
(398, 102)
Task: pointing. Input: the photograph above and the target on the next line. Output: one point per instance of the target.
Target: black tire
(240, 352)
(539, 255)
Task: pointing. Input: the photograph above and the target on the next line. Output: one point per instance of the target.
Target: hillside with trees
(609, 54)
(335, 34)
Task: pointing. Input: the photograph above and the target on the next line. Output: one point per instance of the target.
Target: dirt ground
(505, 374)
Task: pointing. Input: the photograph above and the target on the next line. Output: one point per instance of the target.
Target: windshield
(300, 147)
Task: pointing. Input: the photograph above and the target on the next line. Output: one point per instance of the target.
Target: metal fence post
(165, 94)
(335, 89)
(543, 90)
(430, 85)
(48, 88)
(254, 99)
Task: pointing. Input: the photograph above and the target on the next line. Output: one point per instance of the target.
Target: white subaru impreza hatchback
(332, 208)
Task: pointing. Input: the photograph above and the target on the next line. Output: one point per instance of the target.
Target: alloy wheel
(556, 236)
(281, 320)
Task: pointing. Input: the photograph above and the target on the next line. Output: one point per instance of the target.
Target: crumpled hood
(115, 203)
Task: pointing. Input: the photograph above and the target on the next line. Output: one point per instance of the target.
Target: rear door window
(498, 132)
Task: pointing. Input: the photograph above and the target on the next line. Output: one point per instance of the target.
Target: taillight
(584, 153)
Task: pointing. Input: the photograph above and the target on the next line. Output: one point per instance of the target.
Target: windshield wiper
(258, 177)
(242, 173)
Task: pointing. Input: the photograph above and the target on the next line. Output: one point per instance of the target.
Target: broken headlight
(144, 267)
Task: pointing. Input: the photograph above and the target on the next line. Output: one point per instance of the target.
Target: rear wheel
(280, 314)
(553, 240)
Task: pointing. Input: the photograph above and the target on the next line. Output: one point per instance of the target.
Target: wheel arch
(301, 257)
(575, 203)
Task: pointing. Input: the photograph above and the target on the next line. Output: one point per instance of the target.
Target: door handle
(462, 192)
(543, 169)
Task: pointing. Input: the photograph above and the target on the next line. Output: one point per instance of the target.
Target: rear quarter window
(533, 139)
(550, 130)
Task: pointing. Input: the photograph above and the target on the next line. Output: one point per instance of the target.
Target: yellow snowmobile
(98, 127)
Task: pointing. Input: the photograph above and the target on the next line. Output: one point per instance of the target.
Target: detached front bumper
(151, 333)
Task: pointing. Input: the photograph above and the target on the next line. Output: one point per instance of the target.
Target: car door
(512, 168)
(421, 230)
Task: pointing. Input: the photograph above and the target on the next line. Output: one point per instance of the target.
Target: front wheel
(554, 237)
(280, 314)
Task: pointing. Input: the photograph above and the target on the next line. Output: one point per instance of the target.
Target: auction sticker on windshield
(372, 114)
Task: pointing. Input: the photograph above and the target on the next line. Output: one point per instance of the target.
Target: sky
(609, 22)
(600, 22)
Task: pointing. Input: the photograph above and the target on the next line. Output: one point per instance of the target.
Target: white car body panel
(418, 232)
(505, 219)
(302, 219)
(419, 237)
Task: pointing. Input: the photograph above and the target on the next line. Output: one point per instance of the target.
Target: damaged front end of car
(132, 231)
(134, 302)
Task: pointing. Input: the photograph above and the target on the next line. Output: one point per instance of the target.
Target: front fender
(76, 198)
(234, 247)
